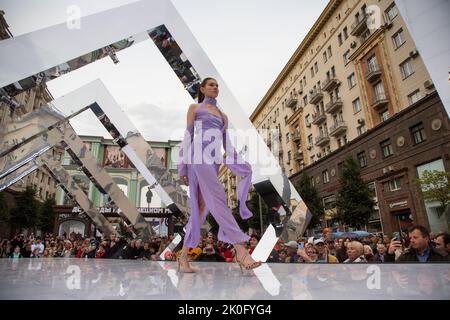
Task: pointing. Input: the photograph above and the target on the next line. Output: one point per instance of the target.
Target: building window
(379, 91)
(336, 93)
(325, 176)
(333, 72)
(406, 68)
(372, 63)
(308, 120)
(305, 100)
(310, 140)
(289, 156)
(395, 184)
(418, 133)
(304, 80)
(386, 148)
(325, 57)
(330, 54)
(361, 130)
(287, 137)
(316, 67)
(345, 33)
(391, 12)
(398, 38)
(312, 178)
(312, 72)
(347, 57)
(414, 97)
(285, 119)
(362, 159)
(356, 105)
(340, 38)
(351, 81)
(384, 115)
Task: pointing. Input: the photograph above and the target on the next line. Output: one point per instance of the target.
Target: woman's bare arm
(190, 118)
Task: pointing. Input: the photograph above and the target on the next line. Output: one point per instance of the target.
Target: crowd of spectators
(75, 246)
(418, 245)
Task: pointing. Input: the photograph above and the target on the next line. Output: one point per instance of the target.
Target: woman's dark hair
(200, 95)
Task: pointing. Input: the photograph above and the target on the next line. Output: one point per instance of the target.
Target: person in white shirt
(38, 245)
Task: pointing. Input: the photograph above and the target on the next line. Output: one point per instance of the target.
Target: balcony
(292, 102)
(322, 140)
(380, 102)
(334, 105)
(339, 128)
(315, 96)
(359, 26)
(330, 84)
(296, 136)
(299, 155)
(319, 118)
(373, 73)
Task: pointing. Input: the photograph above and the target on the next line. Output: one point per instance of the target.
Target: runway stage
(90, 279)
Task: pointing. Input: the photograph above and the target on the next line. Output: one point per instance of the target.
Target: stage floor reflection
(65, 278)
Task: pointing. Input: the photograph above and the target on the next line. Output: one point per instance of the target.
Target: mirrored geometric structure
(37, 57)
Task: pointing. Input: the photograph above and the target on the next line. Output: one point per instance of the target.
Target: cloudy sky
(248, 41)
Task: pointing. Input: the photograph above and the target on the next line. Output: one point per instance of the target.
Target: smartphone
(397, 236)
(301, 245)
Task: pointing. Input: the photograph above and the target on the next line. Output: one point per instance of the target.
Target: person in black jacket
(420, 249)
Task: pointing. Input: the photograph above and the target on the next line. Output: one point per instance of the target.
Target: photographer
(420, 249)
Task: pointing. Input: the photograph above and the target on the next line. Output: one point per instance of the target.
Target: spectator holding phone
(420, 249)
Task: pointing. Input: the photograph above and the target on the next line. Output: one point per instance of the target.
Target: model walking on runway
(200, 173)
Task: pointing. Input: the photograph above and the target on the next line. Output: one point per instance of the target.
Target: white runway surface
(92, 279)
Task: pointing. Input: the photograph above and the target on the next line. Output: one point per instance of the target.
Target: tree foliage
(354, 202)
(435, 187)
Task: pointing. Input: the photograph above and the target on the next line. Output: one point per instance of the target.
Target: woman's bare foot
(183, 262)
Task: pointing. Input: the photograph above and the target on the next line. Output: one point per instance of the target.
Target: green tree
(25, 215)
(354, 202)
(312, 199)
(46, 216)
(435, 187)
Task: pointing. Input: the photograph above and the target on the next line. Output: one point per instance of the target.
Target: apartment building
(356, 69)
(351, 72)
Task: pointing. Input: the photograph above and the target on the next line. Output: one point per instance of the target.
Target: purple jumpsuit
(202, 166)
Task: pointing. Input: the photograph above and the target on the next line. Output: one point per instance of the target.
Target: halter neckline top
(212, 101)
